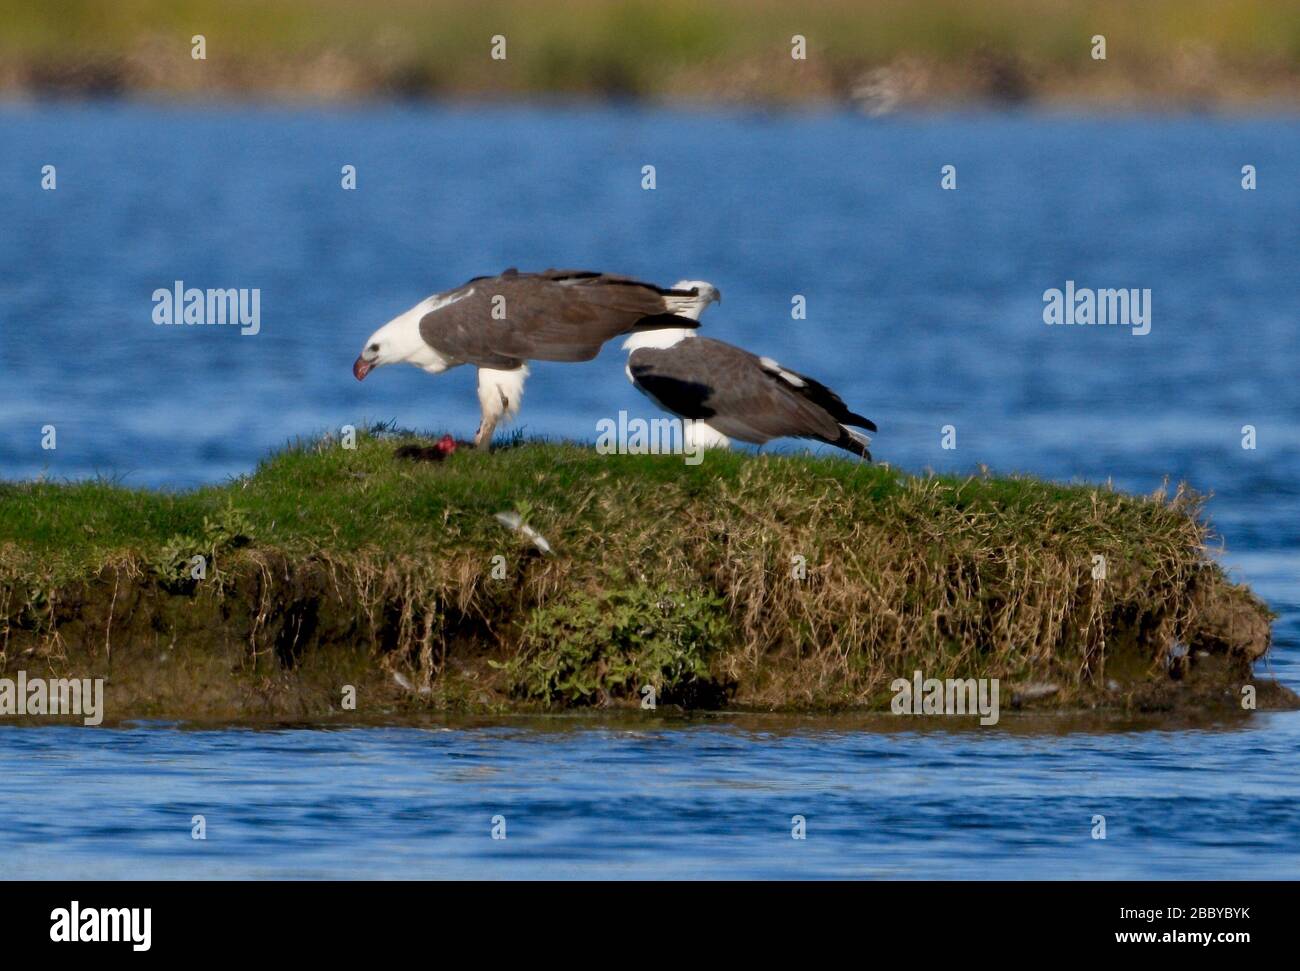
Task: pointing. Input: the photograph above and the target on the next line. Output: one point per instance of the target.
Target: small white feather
(512, 520)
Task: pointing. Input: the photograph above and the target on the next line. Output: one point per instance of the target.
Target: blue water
(652, 802)
(924, 310)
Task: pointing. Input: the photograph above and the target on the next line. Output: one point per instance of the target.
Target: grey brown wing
(731, 389)
(566, 315)
(673, 381)
(559, 315)
(462, 330)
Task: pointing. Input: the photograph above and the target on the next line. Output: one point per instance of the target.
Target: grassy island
(749, 581)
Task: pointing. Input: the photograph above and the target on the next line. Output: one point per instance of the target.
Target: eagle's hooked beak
(361, 367)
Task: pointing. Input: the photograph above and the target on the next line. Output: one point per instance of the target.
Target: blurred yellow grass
(728, 49)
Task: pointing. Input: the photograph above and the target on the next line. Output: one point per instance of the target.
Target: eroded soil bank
(348, 582)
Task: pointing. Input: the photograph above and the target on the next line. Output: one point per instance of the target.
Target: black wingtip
(861, 422)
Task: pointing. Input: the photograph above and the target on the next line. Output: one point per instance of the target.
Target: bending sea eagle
(731, 393)
(498, 323)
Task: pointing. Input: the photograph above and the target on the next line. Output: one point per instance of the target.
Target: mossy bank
(748, 581)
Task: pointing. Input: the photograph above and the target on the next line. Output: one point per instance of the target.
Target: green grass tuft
(628, 642)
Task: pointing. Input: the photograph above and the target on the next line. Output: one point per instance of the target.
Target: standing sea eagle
(499, 323)
(730, 392)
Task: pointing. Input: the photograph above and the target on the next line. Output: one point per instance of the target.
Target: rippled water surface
(924, 310)
(654, 802)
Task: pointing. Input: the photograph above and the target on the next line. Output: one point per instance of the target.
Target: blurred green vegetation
(728, 49)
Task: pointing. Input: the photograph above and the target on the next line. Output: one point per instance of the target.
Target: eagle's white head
(705, 294)
(399, 341)
(700, 295)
